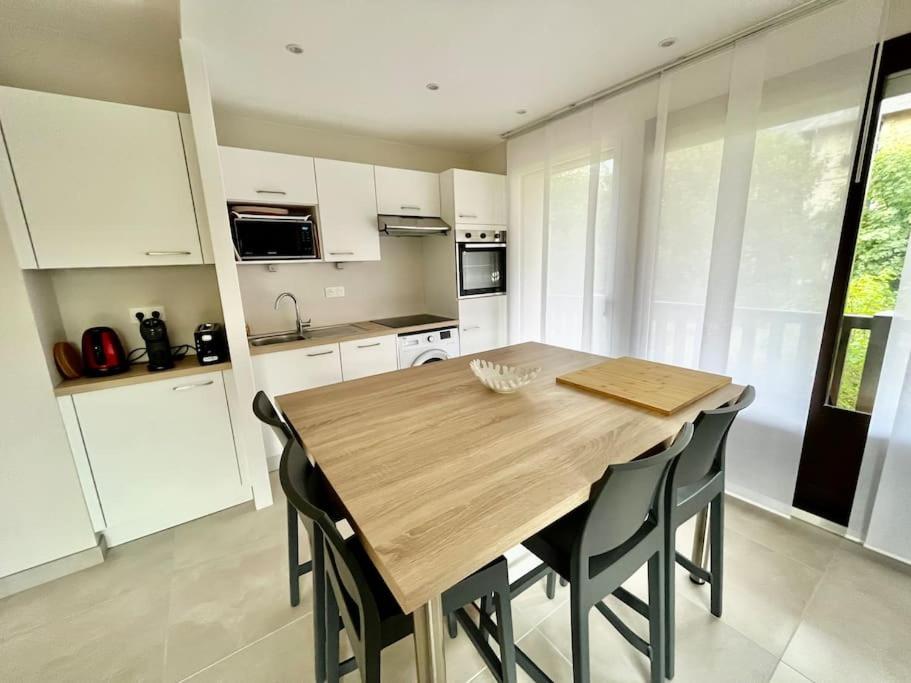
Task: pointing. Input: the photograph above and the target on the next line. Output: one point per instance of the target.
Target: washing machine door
(431, 356)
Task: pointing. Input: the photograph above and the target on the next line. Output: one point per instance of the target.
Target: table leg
(430, 658)
(699, 537)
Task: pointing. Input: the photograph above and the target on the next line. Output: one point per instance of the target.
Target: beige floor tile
(283, 656)
(545, 655)
(119, 639)
(856, 627)
(533, 606)
(765, 592)
(145, 563)
(227, 603)
(785, 674)
(790, 537)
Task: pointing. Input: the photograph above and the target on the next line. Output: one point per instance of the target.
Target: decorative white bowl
(502, 378)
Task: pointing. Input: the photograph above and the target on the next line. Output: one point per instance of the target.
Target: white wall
(898, 21)
(373, 289)
(42, 512)
(274, 136)
(103, 296)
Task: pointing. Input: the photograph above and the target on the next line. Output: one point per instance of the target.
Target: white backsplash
(373, 289)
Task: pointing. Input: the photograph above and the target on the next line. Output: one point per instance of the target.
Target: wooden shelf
(137, 374)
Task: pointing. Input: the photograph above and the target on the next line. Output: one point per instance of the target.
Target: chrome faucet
(301, 324)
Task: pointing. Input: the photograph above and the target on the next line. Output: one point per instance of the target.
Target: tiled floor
(208, 601)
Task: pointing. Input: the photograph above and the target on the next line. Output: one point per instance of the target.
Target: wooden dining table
(439, 475)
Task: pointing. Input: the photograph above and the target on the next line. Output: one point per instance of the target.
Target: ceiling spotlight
(294, 48)
(432, 86)
(667, 42)
(521, 112)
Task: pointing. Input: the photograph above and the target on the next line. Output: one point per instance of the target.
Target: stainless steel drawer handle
(176, 252)
(405, 207)
(320, 353)
(185, 387)
(471, 327)
(271, 192)
(468, 215)
(341, 253)
(367, 346)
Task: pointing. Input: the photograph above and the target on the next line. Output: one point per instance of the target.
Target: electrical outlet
(333, 292)
(147, 312)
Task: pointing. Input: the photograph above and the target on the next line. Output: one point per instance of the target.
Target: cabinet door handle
(185, 387)
(179, 252)
(341, 253)
(320, 353)
(367, 346)
(405, 207)
(282, 192)
(468, 215)
(471, 327)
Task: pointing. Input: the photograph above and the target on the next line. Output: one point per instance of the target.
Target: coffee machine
(158, 346)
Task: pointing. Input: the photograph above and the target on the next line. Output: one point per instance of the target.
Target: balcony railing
(879, 326)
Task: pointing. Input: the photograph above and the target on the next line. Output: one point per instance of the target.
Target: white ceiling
(366, 62)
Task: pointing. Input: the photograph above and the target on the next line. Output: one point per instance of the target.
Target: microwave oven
(270, 237)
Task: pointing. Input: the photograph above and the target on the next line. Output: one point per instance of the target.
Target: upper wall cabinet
(101, 184)
(400, 192)
(250, 175)
(347, 211)
(473, 197)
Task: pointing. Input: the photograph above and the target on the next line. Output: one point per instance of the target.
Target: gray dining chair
(602, 543)
(357, 598)
(696, 482)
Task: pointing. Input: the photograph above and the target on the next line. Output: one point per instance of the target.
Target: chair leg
(331, 634)
(486, 608)
(716, 544)
(452, 624)
(668, 559)
(551, 585)
(505, 635)
(656, 617)
(579, 627)
(293, 557)
(319, 606)
(370, 672)
(563, 582)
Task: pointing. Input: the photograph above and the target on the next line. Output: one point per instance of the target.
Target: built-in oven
(270, 234)
(481, 260)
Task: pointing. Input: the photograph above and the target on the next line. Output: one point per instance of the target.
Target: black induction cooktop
(410, 320)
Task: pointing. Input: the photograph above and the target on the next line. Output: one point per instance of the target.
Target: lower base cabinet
(482, 324)
(161, 453)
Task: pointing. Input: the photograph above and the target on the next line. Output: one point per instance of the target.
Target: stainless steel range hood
(414, 226)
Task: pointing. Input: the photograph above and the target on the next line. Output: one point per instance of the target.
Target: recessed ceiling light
(521, 112)
(667, 42)
(294, 48)
(432, 86)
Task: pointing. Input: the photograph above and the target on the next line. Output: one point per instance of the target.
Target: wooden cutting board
(659, 387)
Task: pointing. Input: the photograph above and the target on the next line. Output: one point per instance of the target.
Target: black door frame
(834, 439)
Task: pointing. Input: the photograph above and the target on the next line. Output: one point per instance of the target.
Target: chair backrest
(305, 490)
(265, 411)
(705, 453)
(628, 498)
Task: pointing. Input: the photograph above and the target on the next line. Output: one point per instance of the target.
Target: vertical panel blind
(694, 220)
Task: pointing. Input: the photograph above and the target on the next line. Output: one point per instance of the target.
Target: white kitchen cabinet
(402, 192)
(101, 184)
(282, 372)
(161, 453)
(364, 357)
(347, 211)
(472, 197)
(482, 324)
(250, 175)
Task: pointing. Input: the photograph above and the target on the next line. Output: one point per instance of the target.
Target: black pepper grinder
(158, 346)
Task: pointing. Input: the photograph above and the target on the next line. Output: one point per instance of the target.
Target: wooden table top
(441, 475)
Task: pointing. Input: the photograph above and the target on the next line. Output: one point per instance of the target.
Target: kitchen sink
(312, 333)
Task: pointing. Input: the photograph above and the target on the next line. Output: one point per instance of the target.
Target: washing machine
(429, 346)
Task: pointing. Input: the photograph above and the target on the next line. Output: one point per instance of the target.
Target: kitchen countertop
(370, 329)
(137, 374)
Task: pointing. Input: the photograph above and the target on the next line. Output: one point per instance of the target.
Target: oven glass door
(482, 269)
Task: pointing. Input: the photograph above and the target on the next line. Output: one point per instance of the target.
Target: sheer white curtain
(746, 157)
